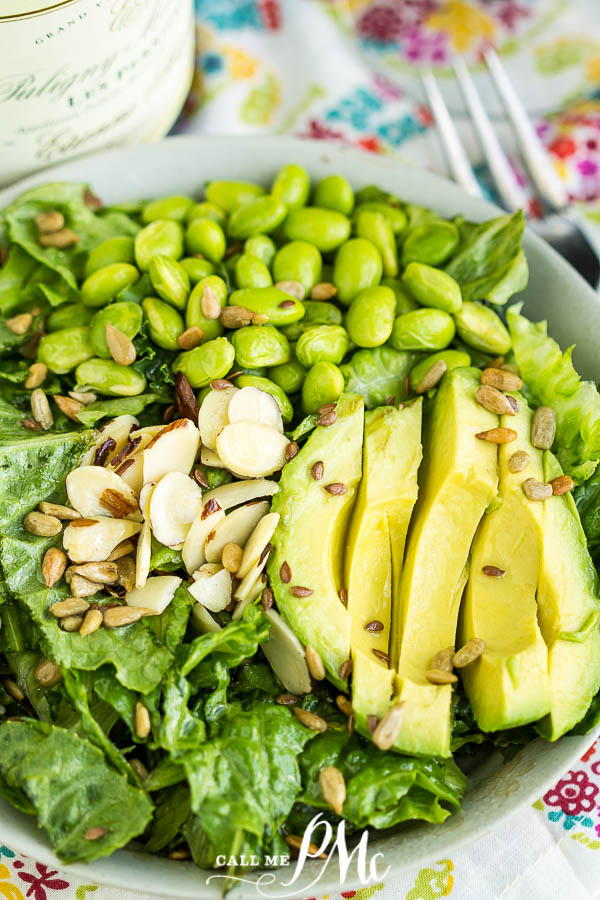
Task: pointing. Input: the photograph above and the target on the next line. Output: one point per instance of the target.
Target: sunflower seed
(323, 290)
(71, 623)
(47, 673)
(294, 288)
(310, 720)
(260, 319)
(432, 376)
(126, 573)
(285, 573)
(70, 607)
(344, 704)
(498, 435)
(53, 565)
(336, 488)
(327, 407)
(440, 676)
(179, 854)
(60, 239)
(119, 346)
(85, 397)
(143, 725)
(493, 572)
(139, 768)
(30, 425)
(69, 407)
(518, 461)
(38, 523)
(58, 510)
(443, 659)
(543, 428)
(536, 490)
(317, 470)
(91, 621)
(102, 572)
(49, 221)
(40, 409)
(374, 625)
(232, 557)
(124, 615)
(291, 451)
(501, 379)
(513, 403)
(210, 305)
(20, 324)
(37, 375)
(333, 788)
(295, 842)
(83, 587)
(235, 317)
(494, 400)
(314, 663)
(562, 484)
(388, 728)
(123, 549)
(345, 669)
(299, 591)
(93, 834)
(13, 690)
(496, 363)
(471, 651)
(190, 338)
(286, 699)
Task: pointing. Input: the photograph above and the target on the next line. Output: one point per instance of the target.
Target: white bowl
(555, 292)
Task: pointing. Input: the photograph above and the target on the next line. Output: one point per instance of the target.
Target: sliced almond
(206, 569)
(209, 458)
(237, 492)
(156, 594)
(176, 501)
(144, 545)
(213, 591)
(131, 468)
(213, 415)
(95, 491)
(173, 449)
(95, 541)
(251, 586)
(203, 525)
(250, 404)
(286, 655)
(203, 621)
(252, 450)
(118, 429)
(236, 527)
(257, 542)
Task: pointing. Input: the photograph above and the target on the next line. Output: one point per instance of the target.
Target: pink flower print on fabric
(423, 46)
(574, 794)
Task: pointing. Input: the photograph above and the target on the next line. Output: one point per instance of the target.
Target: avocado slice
(508, 685)
(375, 547)
(458, 480)
(311, 533)
(568, 612)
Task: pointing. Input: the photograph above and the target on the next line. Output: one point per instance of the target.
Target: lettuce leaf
(552, 380)
(231, 645)
(378, 374)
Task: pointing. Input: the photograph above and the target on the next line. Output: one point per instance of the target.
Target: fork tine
(457, 159)
(535, 155)
(509, 190)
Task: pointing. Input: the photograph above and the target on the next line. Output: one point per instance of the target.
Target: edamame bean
(454, 359)
(113, 250)
(279, 307)
(211, 360)
(231, 194)
(135, 293)
(127, 317)
(62, 350)
(358, 265)
(197, 267)
(480, 327)
(262, 247)
(261, 345)
(175, 207)
(433, 287)
(107, 377)
(432, 242)
(394, 216)
(251, 272)
(323, 384)
(104, 284)
(170, 280)
(422, 329)
(163, 237)
(334, 192)
(165, 324)
(212, 328)
(298, 261)
(371, 316)
(264, 384)
(316, 312)
(372, 226)
(69, 316)
(292, 186)
(322, 343)
(206, 210)
(206, 237)
(259, 217)
(288, 376)
(404, 301)
(325, 228)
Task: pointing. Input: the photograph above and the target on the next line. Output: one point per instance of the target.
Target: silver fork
(559, 226)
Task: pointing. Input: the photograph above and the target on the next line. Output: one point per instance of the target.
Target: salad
(296, 515)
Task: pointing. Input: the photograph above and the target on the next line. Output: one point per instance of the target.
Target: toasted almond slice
(95, 491)
(252, 450)
(118, 429)
(213, 591)
(209, 458)
(250, 404)
(237, 492)
(203, 621)
(131, 468)
(250, 587)
(206, 569)
(144, 545)
(286, 655)
(257, 542)
(156, 594)
(236, 527)
(213, 415)
(94, 542)
(173, 449)
(193, 546)
(176, 501)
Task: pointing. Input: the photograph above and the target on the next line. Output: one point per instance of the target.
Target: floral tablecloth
(344, 71)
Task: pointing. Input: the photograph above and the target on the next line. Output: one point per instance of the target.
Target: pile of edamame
(301, 289)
